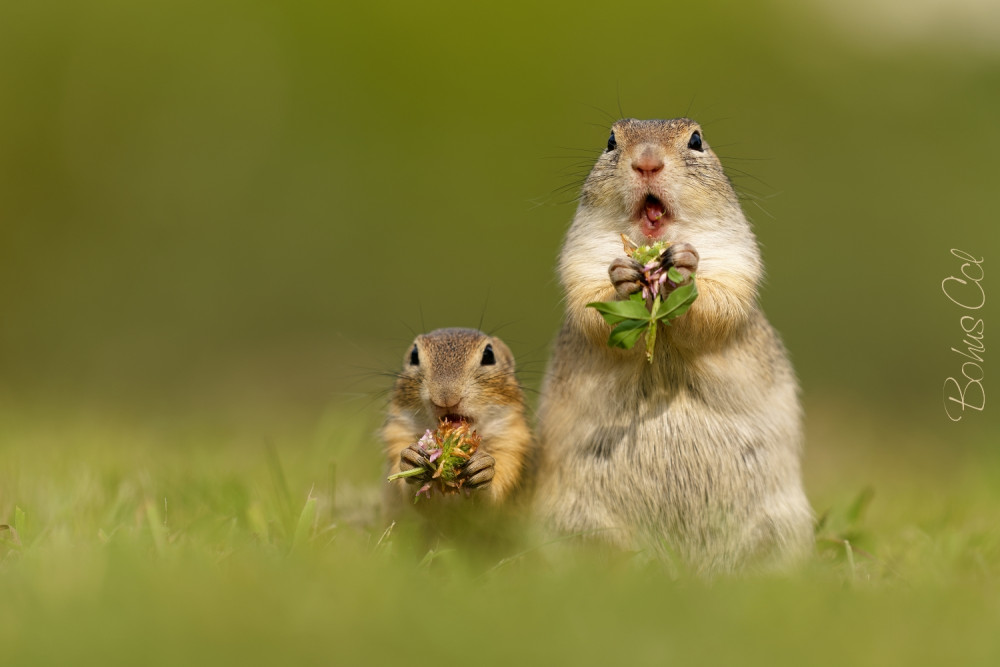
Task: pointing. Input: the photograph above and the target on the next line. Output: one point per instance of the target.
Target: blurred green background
(215, 204)
(222, 222)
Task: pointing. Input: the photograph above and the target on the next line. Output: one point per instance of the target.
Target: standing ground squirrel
(458, 375)
(696, 454)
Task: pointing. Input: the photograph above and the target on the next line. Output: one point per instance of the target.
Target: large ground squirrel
(698, 453)
(459, 375)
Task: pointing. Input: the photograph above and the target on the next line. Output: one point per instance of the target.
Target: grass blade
(304, 527)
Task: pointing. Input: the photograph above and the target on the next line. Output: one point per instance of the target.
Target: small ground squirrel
(459, 375)
(697, 454)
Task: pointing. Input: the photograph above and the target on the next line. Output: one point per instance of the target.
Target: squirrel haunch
(698, 453)
(461, 375)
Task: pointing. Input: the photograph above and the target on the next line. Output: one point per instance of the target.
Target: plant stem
(651, 330)
(412, 472)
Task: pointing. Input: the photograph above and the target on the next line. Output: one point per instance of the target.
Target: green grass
(176, 545)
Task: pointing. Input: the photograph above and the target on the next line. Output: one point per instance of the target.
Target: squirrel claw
(683, 257)
(479, 470)
(626, 276)
(414, 457)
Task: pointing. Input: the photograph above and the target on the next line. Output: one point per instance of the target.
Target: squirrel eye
(612, 144)
(488, 357)
(695, 142)
(414, 357)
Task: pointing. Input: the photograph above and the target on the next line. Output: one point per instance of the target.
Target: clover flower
(641, 312)
(448, 449)
(654, 273)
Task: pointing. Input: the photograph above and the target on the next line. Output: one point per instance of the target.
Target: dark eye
(488, 357)
(612, 144)
(414, 357)
(694, 142)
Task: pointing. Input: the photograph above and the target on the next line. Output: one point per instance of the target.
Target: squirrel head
(457, 374)
(658, 176)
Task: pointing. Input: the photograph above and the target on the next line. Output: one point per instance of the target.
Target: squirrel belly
(683, 455)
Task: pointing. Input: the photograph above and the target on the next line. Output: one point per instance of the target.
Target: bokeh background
(209, 205)
(222, 222)
(249, 208)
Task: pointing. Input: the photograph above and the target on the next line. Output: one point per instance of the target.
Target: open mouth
(653, 209)
(653, 214)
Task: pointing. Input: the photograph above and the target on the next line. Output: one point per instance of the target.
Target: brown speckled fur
(698, 454)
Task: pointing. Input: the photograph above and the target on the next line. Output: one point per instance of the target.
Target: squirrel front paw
(626, 276)
(478, 470)
(683, 257)
(414, 457)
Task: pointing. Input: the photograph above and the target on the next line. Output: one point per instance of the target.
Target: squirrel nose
(446, 405)
(648, 164)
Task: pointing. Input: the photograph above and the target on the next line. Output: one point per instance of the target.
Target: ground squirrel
(697, 454)
(458, 375)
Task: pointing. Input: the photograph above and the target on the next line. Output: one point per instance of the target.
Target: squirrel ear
(488, 357)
